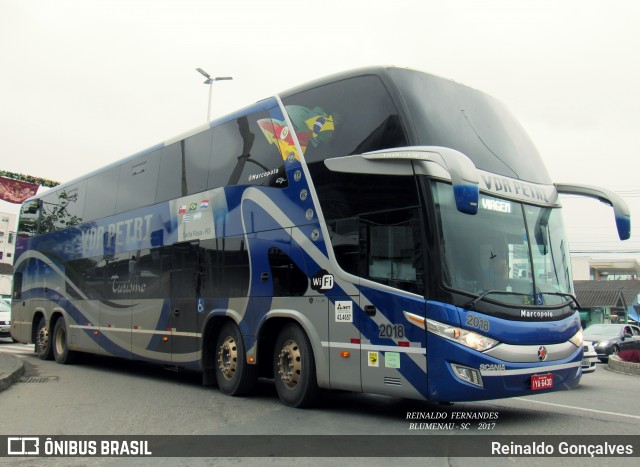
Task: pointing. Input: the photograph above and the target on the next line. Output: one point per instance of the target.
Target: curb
(617, 365)
(11, 369)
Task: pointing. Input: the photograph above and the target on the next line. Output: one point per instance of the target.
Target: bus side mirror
(461, 170)
(620, 208)
(430, 160)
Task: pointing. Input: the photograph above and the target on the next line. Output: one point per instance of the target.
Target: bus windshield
(513, 252)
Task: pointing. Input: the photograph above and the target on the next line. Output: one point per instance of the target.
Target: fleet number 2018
(392, 331)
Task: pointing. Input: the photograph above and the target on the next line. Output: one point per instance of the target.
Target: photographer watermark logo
(23, 446)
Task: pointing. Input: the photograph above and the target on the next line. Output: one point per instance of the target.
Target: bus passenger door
(393, 347)
(185, 295)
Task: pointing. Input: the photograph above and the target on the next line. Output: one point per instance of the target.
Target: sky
(84, 83)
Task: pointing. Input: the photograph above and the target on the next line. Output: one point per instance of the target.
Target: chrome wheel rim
(228, 358)
(43, 338)
(290, 364)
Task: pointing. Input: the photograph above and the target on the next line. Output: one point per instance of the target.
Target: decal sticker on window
(312, 126)
(196, 215)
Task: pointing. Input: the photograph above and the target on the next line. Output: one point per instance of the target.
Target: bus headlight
(470, 339)
(577, 339)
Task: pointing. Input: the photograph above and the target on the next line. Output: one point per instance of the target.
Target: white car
(5, 319)
(589, 358)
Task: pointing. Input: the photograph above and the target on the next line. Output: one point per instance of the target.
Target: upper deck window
(345, 117)
(445, 113)
(245, 153)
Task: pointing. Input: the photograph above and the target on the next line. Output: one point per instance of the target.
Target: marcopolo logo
(322, 280)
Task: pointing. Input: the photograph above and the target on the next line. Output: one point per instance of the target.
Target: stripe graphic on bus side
(379, 348)
(137, 331)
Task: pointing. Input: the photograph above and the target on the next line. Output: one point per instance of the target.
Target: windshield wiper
(472, 304)
(565, 294)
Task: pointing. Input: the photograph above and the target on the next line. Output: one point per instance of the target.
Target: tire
(294, 368)
(42, 345)
(61, 352)
(234, 376)
(614, 350)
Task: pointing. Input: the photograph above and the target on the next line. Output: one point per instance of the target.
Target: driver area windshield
(509, 252)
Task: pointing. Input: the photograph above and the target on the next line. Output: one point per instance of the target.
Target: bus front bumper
(466, 375)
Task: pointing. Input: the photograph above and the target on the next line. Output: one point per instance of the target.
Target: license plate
(541, 382)
(586, 362)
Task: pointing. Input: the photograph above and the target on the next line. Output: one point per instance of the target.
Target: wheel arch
(37, 316)
(211, 329)
(268, 331)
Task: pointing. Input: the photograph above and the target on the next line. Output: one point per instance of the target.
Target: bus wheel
(294, 368)
(43, 345)
(61, 351)
(235, 377)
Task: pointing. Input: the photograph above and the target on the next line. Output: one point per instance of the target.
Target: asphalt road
(104, 396)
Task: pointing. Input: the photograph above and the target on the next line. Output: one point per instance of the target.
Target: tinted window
(184, 273)
(62, 208)
(86, 275)
(345, 195)
(29, 215)
(170, 180)
(145, 273)
(351, 116)
(244, 153)
(288, 279)
(197, 149)
(102, 190)
(228, 144)
(448, 114)
(393, 254)
(226, 267)
(370, 236)
(138, 179)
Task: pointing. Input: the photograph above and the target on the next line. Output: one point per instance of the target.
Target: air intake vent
(392, 381)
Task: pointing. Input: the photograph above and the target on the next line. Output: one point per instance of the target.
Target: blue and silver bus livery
(382, 231)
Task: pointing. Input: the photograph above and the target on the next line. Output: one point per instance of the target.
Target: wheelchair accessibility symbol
(200, 305)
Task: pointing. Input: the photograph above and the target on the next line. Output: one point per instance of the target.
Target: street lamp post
(210, 81)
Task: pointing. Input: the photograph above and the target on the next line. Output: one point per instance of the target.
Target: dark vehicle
(612, 338)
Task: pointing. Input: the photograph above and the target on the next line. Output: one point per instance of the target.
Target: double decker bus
(383, 231)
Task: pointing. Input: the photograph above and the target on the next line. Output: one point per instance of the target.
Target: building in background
(608, 301)
(7, 249)
(586, 268)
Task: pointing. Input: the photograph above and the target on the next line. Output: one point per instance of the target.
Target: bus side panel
(150, 320)
(393, 361)
(344, 336)
(115, 323)
(83, 325)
